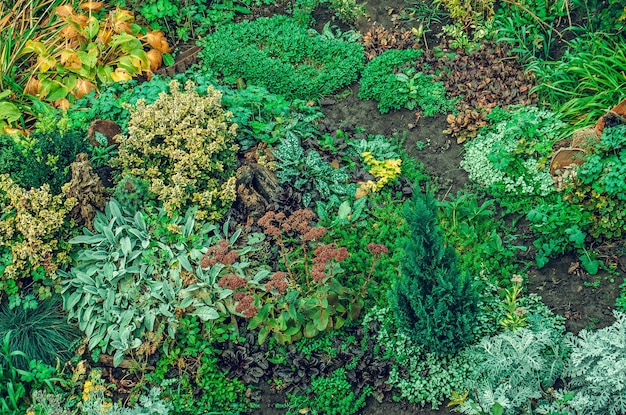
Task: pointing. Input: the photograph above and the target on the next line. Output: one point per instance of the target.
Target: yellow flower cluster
(29, 228)
(95, 391)
(385, 171)
(183, 145)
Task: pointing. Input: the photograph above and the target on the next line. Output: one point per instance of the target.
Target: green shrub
(32, 230)
(510, 159)
(46, 160)
(597, 369)
(41, 331)
(282, 56)
(183, 145)
(599, 185)
(433, 302)
(393, 80)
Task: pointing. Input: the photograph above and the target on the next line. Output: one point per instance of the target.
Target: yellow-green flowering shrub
(183, 146)
(30, 226)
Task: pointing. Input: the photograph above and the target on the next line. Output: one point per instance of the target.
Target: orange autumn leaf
(62, 104)
(92, 6)
(156, 39)
(83, 87)
(64, 11)
(155, 58)
(32, 86)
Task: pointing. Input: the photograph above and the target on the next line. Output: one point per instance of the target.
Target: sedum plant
(183, 146)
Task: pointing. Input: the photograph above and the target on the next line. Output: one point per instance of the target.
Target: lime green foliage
(183, 145)
(379, 81)
(16, 384)
(303, 168)
(330, 395)
(510, 159)
(599, 185)
(596, 369)
(40, 330)
(282, 56)
(420, 376)
(32, 227)
(480, 236)
(560, 227)
(434, 303)
(200, 387)
(514, 369)
(586, 81)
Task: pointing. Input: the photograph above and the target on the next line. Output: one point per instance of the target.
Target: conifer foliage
(433, 302)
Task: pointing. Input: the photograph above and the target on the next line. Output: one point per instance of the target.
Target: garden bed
(312, 207)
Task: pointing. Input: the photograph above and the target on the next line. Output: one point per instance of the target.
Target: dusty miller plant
(597, 369)
(513, 369)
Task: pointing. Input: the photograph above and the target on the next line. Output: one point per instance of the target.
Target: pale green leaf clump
(133, 278)
(597, 369)
(512, 155)
(183, 146)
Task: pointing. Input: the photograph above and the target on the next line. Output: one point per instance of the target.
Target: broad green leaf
(206, 313)
(92, 29)
(344, 210)
(125, 245)
(118, 357)
(9, 111)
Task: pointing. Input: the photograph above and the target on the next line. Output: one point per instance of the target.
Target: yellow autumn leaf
(70, 60)
(121, 75)
(45, 63)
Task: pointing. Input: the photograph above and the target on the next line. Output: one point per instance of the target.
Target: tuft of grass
(41, 332)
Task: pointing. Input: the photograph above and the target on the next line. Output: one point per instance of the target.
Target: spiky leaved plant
(433, 302)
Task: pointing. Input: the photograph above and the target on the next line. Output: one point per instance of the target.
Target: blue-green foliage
(282, 56)
(597, 369)
(433, 302)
